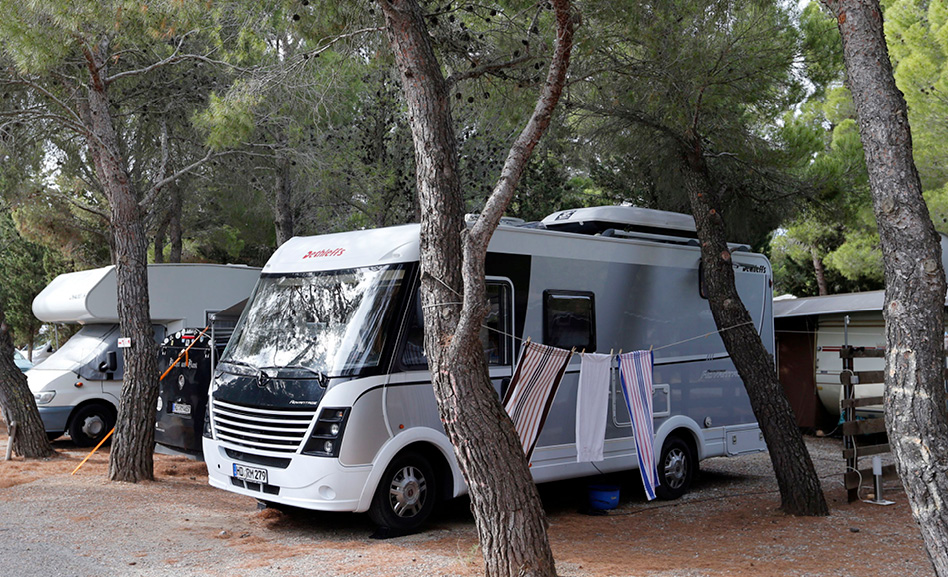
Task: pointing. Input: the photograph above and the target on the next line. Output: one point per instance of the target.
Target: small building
(809, 333)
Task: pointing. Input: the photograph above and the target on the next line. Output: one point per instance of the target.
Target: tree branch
(478, 71)
(71, 120)
(149, 197)
(175, 57)
(478, 236)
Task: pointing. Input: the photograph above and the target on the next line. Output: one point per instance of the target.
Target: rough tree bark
(800, 490)
(282, 204)
(820, 271)
(131, 458)
(18, 405)
(161, 232)
(915, 410)
(174, 223)
(170, 223)
(510, 519)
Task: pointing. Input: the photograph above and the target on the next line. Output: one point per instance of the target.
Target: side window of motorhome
(569, 319)
(495, 332)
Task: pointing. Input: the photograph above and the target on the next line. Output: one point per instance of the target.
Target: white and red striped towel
(532, 389)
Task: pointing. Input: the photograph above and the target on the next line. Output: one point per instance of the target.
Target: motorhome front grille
(279, 430)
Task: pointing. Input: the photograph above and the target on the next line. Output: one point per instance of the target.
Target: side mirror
(109, 366)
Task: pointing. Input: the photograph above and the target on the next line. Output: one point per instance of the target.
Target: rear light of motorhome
(327, 434)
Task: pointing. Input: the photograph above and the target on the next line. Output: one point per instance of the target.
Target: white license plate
(252, 474)
(181, 408)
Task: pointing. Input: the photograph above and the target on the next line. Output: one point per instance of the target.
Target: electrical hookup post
(861, 431)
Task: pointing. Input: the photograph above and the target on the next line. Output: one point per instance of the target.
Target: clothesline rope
(705, 335)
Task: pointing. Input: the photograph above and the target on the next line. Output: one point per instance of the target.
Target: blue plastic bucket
(603, 497)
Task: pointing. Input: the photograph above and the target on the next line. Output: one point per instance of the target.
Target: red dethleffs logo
(324, 252)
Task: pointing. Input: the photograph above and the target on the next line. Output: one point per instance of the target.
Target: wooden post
(849, 415)
(10, 440)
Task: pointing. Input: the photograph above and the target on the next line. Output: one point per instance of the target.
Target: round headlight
(327, 447)
(334, 429)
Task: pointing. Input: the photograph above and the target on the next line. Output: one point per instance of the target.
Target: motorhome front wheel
(406, 494)
(89, 424)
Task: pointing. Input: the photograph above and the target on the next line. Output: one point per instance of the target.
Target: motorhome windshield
(329, 322)
(90, 343)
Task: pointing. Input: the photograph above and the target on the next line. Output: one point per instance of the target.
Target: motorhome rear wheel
(676, 469)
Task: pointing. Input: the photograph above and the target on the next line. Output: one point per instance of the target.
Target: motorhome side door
(497, 332)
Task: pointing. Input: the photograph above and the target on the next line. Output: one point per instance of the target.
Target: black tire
(90, 423)
(406, 495)
(676, 466)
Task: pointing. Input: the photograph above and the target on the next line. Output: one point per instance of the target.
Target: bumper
(54, 418)
(317, 483)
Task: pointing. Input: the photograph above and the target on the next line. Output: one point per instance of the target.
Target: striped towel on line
(532, 388)
(635, 372)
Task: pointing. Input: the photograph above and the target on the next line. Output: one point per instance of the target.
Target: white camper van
(322, 399)
(77, 388)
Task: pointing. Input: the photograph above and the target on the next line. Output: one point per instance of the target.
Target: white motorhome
(77, 388)
(322, 399)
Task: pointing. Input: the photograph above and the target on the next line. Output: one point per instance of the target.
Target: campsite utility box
(182, 396)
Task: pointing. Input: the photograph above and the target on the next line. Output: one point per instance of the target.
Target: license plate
(181, 408)
(252, 474)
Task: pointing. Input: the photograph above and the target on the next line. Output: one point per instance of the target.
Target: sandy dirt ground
(82, 524)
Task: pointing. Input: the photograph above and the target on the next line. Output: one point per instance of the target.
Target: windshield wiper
(320, 376)
(257, 371)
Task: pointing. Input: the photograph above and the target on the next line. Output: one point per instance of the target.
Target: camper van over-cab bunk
(77, 388)
(322, 399)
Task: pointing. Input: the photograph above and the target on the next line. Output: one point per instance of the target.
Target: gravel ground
(56, 524)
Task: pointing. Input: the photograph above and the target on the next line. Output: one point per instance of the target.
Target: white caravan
(77, 388)
(322, 399)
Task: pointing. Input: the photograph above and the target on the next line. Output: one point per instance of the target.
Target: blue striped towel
(635, 371)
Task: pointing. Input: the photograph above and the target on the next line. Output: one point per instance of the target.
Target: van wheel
(406, 494)
(90, 424)
(676, 469)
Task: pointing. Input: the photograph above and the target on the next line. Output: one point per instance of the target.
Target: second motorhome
(77, 388)
(322, 399)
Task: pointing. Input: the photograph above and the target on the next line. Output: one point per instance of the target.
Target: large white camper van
(322, 399)
(77, 388)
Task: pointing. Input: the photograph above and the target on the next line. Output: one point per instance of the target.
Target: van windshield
(85, 347)
(330, 322)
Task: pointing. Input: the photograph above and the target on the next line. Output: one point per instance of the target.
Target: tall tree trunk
(915, 410)
(131, 458)
(820, 271)
(283, 203)
(174, 223)
(18, 405)
(160, 237)
(511, 523)
(800, 490)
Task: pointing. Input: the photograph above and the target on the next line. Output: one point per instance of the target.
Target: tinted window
(569, 320)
